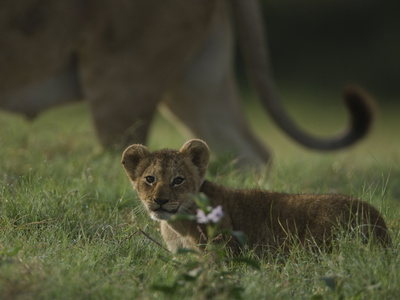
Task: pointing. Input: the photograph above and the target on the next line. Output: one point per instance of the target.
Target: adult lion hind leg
(206, 99)
(218, 119)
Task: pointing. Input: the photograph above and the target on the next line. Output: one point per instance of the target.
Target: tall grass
(72, 228)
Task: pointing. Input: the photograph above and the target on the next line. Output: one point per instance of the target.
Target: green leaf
(202, 202)
(239, 236)
(185, 251)
(166, 289)
(178, 217)
(330, 282)
(236, 292)
(250, 262)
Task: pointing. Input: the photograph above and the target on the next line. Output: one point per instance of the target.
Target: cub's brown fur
(167, 181)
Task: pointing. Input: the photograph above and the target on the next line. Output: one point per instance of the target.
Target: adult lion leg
(121, 116)
(122, 104)
(206, 100)
(215, 117)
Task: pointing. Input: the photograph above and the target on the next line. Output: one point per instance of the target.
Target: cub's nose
(160, 201)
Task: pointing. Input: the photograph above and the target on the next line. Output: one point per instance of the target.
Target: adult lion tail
(252, 39)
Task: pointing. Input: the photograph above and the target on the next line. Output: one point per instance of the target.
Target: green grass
(71, 227)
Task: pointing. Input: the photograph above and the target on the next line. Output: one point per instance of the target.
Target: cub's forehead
(166, 158)
(164, 161)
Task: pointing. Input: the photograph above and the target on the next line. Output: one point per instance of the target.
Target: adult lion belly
(53, 50)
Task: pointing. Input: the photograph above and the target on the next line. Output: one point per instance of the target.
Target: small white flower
(214, 216)
(201, 217)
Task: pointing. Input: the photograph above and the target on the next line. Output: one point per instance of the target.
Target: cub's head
(166, 180)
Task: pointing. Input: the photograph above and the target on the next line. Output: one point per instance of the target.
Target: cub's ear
(131, 158)
(199, 154)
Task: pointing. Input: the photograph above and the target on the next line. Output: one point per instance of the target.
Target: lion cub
(167, 181)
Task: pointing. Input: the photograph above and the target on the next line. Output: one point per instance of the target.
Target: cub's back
(266, 217)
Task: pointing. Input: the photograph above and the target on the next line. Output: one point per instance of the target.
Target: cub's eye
(177, 181)
(150, 179)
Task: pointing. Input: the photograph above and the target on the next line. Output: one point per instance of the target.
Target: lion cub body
(167, 181)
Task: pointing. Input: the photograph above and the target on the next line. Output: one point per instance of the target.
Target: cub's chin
(162, 214)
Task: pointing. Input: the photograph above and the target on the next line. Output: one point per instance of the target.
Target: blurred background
(331, 43)
(317, 47)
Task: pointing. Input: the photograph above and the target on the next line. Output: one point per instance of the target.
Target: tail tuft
(362, 110)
